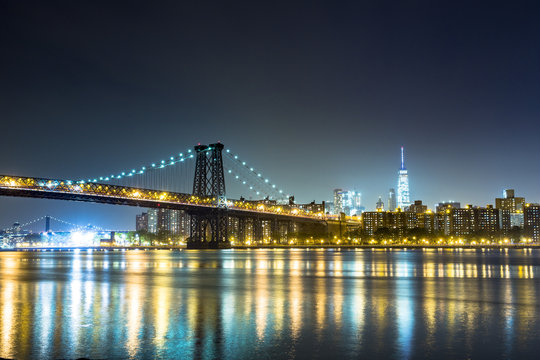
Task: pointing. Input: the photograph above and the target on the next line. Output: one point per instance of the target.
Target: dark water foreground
(271, 304)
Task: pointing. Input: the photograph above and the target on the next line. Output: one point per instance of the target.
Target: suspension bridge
(164, 185)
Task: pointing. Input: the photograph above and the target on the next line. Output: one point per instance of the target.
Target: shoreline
(273, 247)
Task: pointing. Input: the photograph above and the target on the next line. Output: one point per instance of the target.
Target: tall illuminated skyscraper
(403, 199)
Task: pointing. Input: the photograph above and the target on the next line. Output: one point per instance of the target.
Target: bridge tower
(208, 229)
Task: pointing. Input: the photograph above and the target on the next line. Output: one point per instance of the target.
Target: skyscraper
(348, 202)
(380, 204)
(338, 201)
(392, 200)
(403, 199)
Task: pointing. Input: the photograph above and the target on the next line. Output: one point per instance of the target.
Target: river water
(271, 304)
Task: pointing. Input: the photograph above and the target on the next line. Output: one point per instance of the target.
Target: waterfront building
(175, 222)
(426, 220)
(468, 220)
(531, 217)
(392, 204)
(487, 220)
(403, 199)
(373, 220)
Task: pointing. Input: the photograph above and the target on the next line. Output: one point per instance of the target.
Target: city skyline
(357, 208)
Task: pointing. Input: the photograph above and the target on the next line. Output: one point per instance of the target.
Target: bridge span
(209, 209)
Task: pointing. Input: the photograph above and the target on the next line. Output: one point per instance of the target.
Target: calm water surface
(271, 304)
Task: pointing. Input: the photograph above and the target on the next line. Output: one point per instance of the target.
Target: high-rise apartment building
(152, 220)
(510, 202)
(512, 208)
(403, 199)
(141, 222)
(468, 220)
(175, 222)
(531, 214)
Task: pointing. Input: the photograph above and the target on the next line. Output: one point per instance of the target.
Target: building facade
(531, 217)
(174, 222)
(392, 204)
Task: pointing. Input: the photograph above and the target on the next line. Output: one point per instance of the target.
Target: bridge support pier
(208, 227)
(209, 230)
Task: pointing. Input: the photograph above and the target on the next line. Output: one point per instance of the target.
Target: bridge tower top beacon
(209, 179)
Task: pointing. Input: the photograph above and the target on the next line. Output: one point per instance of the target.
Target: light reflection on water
(270, 304)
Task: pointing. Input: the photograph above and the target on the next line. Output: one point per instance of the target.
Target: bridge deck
(130, 196)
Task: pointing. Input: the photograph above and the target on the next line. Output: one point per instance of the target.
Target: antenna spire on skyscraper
(402, 160)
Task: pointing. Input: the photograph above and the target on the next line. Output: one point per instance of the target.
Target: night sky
(317, 95)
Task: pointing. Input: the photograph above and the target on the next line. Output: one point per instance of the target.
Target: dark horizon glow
(316, 95)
